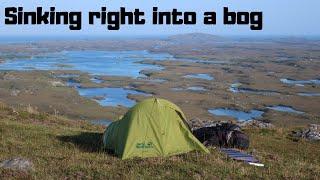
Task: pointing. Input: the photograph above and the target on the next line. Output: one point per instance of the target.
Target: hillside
(61, 148)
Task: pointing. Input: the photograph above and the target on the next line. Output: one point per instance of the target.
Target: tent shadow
(85, 141)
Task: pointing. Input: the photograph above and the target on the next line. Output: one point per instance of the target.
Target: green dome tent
(152, 128)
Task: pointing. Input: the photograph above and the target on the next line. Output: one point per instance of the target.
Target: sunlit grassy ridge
(62, 148)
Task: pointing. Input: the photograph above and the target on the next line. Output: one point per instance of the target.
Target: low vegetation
(47, 134)
(62, 148)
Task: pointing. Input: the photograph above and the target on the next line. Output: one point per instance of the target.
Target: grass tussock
(63, 149)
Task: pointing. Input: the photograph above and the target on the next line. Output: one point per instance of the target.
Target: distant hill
(196, 38)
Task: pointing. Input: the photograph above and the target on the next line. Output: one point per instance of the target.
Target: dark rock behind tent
(17, 164)
(311, 133)
(226, 135)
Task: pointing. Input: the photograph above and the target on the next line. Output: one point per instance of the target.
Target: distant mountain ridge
(196, 38)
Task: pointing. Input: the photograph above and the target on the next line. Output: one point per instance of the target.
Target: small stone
(15, 92)
(17, 164)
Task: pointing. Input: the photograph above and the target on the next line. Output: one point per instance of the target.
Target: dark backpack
(222, 135)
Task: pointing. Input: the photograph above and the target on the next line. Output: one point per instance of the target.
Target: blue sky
(281, 17)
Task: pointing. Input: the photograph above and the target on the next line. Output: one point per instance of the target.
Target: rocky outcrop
(257, 124)
(311, 133)
(57, 83)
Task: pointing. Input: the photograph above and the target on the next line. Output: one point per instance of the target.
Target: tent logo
(144, 145)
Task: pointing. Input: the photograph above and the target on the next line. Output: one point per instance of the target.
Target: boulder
(20, 164)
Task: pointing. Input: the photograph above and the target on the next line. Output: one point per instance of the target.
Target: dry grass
(62, 148)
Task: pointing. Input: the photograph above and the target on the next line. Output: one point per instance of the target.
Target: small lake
(110, 96)
(177, 89)
(192, 88)
(199, 76)
(102, 122)
(237, 114)
(196, 88)
(282, 108)
(300, 82)
(153, 80)
(112, 63)
(236, 88)
(307, 94)
(66, 75)
(73, 83)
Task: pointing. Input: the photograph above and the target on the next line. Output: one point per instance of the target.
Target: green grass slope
(60, 148)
